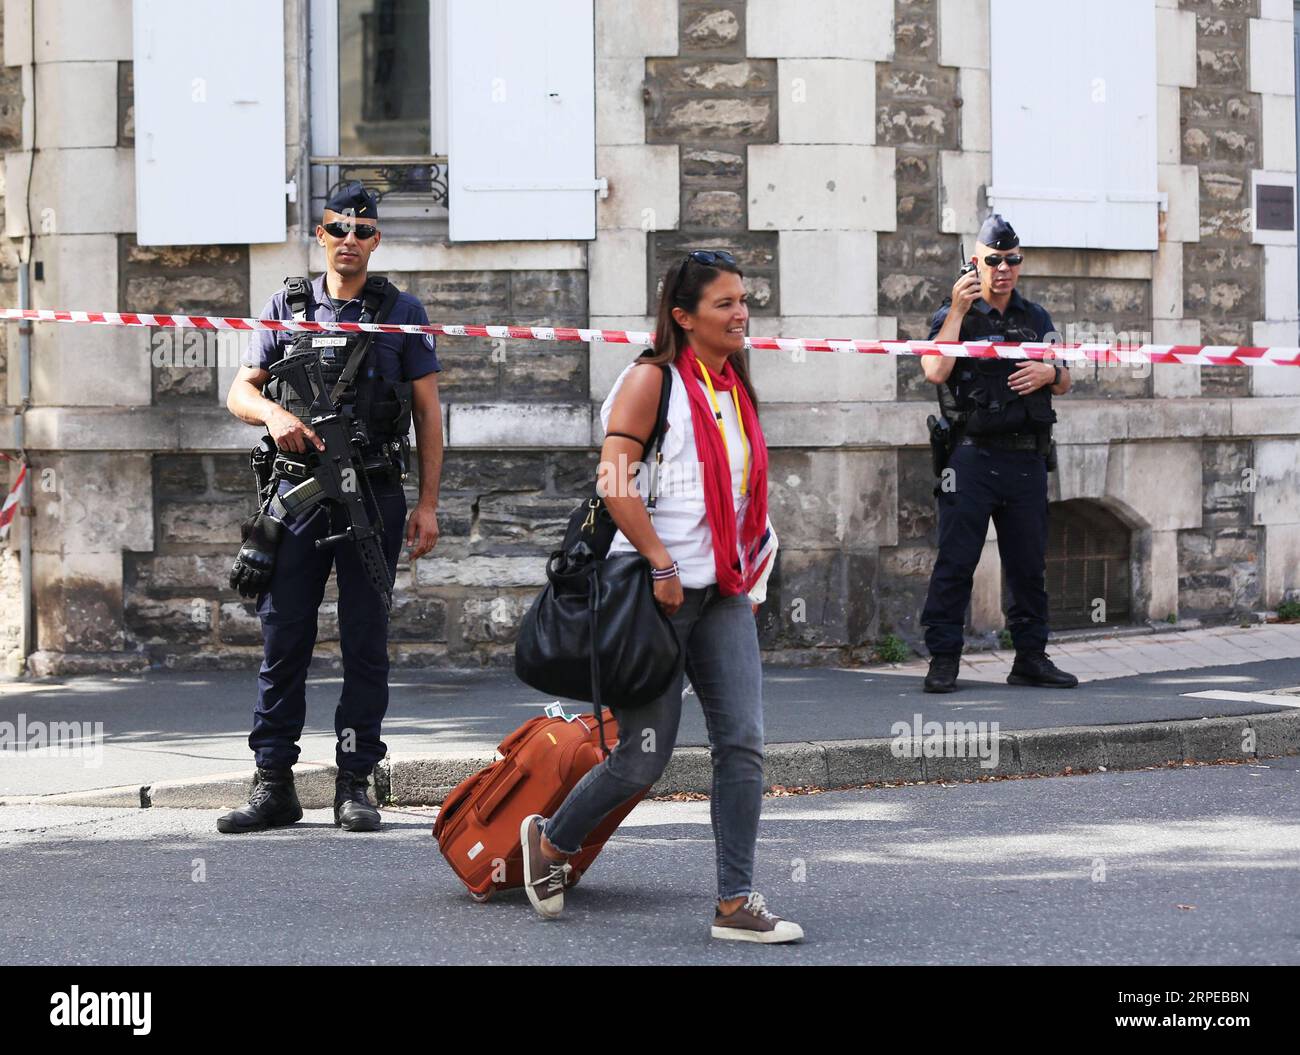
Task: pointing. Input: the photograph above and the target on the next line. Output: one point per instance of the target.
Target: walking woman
(711, 545)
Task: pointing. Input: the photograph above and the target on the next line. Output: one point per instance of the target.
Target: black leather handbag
(596, 632)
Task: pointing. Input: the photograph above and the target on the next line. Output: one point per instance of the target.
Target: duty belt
(1008, 441)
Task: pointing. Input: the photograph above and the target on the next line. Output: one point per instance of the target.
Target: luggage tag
(556, 710)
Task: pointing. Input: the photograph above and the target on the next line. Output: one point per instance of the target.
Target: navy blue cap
(352, 199)
(998, 234)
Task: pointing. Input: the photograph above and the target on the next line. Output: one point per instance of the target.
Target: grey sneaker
(753, 922)
(544, 880)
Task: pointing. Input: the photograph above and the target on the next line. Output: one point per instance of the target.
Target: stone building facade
(842, 149)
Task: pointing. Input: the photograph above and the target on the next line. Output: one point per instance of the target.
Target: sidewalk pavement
(179, 739)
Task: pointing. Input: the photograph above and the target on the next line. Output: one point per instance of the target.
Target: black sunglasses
(340, 230)
(1014, 259)
(709, 257)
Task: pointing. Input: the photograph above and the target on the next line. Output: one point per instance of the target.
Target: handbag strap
(593, 605)
(657, 436)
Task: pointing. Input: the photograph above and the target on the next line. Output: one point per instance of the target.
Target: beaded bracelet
(664, 573)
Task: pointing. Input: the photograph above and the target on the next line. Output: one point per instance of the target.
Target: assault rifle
(339, 470)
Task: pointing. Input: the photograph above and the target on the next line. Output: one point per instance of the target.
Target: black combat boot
(1034, 668)
(352, 809)
(273, 804)
(942, 676)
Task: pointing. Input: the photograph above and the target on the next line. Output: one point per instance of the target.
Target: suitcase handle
(489, 803)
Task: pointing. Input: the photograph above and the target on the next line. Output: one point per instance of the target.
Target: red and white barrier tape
(10, 506)
(1183, 354)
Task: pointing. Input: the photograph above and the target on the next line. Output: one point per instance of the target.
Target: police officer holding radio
(378, 385)
(993, 451)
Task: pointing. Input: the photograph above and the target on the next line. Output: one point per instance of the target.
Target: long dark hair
(684, 284)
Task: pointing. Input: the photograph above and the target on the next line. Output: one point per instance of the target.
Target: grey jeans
(719, 638)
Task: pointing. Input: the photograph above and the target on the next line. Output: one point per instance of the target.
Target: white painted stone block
(1080, 471)
(827, 101)
(828, 273)
(884, 327)
(823, 377)
(1281, 563)
(520, 425)
(83, 30)
(805, 187)
(839, 29)
(606, 361)
(1277, 118)
(1169, 129)
(1167, 285)
(91, 366)
(1172, 380)
(644, 187)
(80, 272)
(1159, 483)
(77, 104)
(88, 191)
(647, 27)
(620, 109)
(406, 255)
(1176, 48)
(964, 33)
(976, 110)
(1283, 380)
(18, 32)
(1182, 223)
(1272, 62)
(962, 177)
(617, 275)
(1277, 481)
(1164, 575)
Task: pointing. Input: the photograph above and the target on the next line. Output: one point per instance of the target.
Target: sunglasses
(1013, 260)
(709, 257)
(340, 230)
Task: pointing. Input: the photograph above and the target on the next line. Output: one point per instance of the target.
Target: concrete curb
(939, 755)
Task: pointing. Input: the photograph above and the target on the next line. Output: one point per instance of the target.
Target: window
(378, 105)
(474, 118)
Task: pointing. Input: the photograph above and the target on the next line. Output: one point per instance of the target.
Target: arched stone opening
(1090, 574)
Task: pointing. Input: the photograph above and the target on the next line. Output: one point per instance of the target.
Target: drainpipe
(25, 510)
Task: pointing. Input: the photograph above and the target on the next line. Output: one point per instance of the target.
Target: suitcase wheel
(480, 898)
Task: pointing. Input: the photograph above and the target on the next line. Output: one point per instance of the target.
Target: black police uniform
(288, 607)
(1000, 472)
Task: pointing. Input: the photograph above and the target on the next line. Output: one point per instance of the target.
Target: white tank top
(679, 517)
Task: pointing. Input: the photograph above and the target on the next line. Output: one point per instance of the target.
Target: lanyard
(740, 420)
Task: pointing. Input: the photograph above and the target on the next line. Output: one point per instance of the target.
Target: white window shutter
(1074, 122)
(522, 120)
(209, 121)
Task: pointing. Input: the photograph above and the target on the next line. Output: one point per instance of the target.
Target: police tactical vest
(977, 397)
(383, 406)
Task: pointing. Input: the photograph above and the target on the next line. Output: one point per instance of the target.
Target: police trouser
(1011, 487)
(288, 611)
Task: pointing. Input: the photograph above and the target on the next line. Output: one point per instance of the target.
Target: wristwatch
(1057, 379)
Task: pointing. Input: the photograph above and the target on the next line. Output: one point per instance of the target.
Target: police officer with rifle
(337, 409)
(992, 446)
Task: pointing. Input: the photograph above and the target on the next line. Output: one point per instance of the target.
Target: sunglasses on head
(340, 230)
(709, 257)
(1013, 259)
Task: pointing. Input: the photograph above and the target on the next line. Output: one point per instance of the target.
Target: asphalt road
(167, 726)
(1196, 865)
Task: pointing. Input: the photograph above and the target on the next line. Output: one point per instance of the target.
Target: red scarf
(718, 502)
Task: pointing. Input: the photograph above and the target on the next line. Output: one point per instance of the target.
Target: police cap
(998, 234)
(352, 199)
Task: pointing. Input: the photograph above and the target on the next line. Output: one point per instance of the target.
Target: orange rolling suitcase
(477, 827)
